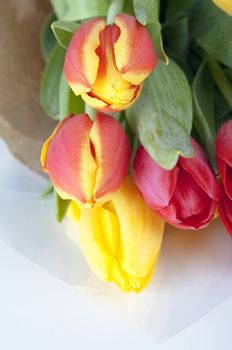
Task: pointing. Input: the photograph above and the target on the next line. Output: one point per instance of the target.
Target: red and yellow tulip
(107, 64)
(225, 5)
(87, 161)
(121, 240)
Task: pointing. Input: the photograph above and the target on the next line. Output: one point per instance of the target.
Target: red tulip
(107, 64)
(224, 158)
(225, 210)
(186, 196)
(87, 161)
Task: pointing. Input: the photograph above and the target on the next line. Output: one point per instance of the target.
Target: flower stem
(221, 80)
(116, 6)
(90, 111)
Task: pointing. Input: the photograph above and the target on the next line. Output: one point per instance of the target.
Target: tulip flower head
(225, 5)
(224, 159)
(107, 64)
(186, 196)
(87, 161)
(121, 239)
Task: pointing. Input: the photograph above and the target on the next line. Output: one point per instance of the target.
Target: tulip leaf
(155, 33)
(61, 207)
(69, 103)
(64, 31)
(162, 117)
(204, 113)
(176, 36)
(146, 11)
(47, 40)
(178, 7)
(48, 190)
(218, 42)
(49, 88)
(203, 17)
(73, 10)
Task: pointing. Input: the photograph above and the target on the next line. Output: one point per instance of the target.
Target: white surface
(41, 309)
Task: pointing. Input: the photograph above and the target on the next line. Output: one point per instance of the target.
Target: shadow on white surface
(193, 275)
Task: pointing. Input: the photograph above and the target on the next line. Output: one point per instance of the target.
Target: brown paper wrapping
(23, 124)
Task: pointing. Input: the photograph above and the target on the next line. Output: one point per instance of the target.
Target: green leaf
(69, 103)
(48, 190)
(49, 88)
(204, 16)
(218, 42)
(146, 11)
(176, 36)
(61, 207)
(64, 31)
(178, 7)
(155, 33)
(73, 10)
(47, 40)
(162, 117)
(204, 113)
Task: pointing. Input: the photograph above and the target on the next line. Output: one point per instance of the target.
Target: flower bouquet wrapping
(142, 93)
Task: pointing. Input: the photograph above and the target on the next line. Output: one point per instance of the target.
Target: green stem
(221, 80)
(90, 111)
(116, 6)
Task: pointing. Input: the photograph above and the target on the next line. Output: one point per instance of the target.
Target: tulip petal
(112, 153)
(155, 183)
(200, 170)
(95, 102)
(225, 5)
(224, 155)
(118, 246)
(225, 210)
(69, 159)
(141, 235)
(81, 61)
(190, 207)
(224, 143)
(130, 47)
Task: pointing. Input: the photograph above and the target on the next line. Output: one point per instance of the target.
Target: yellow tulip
(121, 239)
(225, 5)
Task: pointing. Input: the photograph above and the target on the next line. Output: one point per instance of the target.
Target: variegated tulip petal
(112, 154)
(81, 61)
(134, 51)
(69, 160)
(94, 102)
(110, 86)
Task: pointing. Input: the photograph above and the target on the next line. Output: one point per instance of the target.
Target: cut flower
(107, 64)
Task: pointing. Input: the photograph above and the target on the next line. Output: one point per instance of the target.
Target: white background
(49, 299)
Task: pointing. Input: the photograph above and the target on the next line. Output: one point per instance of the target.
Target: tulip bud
(186, 196)
(87, 161)
(121, 240)
(107, 64)
(225, 210)
(224, 159)
(225, 5)
(224, 156)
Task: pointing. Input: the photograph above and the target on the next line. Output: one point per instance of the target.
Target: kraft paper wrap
(23, 124)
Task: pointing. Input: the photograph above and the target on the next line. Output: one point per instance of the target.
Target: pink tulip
(186, 196)
(224, 158)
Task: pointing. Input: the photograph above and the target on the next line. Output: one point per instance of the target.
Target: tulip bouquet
(142, 92)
